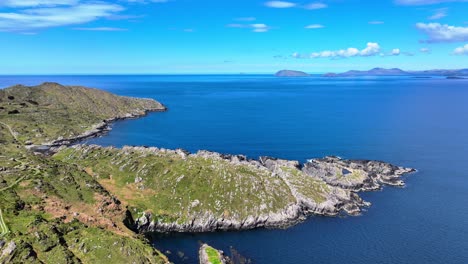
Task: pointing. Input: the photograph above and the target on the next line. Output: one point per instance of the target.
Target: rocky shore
(326, 187)
(96, 130)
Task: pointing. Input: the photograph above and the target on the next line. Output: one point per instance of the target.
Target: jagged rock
(210, 255)
(8, 250)
(325, 186)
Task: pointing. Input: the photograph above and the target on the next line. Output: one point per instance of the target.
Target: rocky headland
(208, 191)
(78, 204)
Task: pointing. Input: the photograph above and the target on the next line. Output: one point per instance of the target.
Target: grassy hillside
(51, 111)
(50, 211)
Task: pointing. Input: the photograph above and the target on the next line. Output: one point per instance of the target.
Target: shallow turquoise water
(420, 123)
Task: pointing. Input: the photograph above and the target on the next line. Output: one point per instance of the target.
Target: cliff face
(207, 191)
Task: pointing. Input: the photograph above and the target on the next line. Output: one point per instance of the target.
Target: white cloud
(425, 2)
(314, 6)
(314, 26)
(376, 22)
(258, 28)
(280, 4)
(372, 49)
(440, 13)
(437, 33)
(26, 20)
(396, 52)
(461, 50)
(36, 3)
(425, 50)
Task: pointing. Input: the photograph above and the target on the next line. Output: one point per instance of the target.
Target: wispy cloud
(284, 4)
(425, 50)
(314, 6)
(371, 49)
(30, 19)
(37, 3)
(314, 26)
(425, 2)
(258, 27)
(280, 4)
(437, 33)
(439, 13)
(461, 50)
(376, 22)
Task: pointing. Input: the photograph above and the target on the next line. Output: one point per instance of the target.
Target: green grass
(213, 255)
(50, 111)
(310, 187)
(175, 189)
(3, 227)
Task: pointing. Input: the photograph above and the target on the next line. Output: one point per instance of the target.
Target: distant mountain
(442, 72)
(373, 72)
(290, 73)
(398, 72)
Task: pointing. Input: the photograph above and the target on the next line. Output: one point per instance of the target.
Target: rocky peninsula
(77, 204)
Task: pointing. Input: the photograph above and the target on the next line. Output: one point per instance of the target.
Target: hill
(290, 73)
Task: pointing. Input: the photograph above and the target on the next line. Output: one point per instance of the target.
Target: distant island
(452, 74)
(290, 73)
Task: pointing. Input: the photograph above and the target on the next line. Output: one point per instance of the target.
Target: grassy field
(54, 212)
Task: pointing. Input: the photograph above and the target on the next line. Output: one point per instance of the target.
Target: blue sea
(419, 123)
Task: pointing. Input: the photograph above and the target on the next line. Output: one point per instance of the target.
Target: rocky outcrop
(290, 73)
(356, 175)
(210, 255)
(325, 187)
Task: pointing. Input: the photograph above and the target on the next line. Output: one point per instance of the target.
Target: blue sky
(249, 36)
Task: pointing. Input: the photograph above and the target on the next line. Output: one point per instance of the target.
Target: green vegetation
(3, 227)
(50, 111)
(310, 187)
(177, 188)
(213, 255)
(54, 212)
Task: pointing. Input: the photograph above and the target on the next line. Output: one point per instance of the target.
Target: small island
(449, 74)
(91, 204)
(290, 73)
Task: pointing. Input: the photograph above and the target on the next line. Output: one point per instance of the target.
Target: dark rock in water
(210, 255)
(290, 73)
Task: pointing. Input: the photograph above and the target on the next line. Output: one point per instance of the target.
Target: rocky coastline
(96, 130)
(343, 180)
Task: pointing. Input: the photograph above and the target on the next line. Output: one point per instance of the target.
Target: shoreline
(97, 130)
(341, 196)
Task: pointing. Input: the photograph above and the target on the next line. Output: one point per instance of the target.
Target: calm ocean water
(420, 123)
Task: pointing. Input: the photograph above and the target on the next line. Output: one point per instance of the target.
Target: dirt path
(3, 227)
(13, 134)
